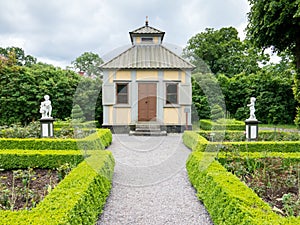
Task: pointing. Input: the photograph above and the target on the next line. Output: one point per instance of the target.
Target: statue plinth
(47, 129)
(251, 129)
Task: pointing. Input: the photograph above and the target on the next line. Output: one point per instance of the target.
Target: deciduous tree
(88, 63)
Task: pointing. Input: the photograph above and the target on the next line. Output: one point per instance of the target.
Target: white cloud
(60, 31)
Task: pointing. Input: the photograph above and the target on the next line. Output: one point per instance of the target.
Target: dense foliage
(276, 24)
(88, 63)
(22, 89)
(272, 87)
(223, 52)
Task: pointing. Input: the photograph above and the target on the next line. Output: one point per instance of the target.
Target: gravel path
(150, 184)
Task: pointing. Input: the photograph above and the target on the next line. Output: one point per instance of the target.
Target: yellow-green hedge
(18, 159)
(226, 198)
(222, 125)
(263, 135)
(78, 199)
(198, 143)
(194, 141)
(98, 140)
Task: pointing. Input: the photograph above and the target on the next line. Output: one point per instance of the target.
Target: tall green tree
(276, 24)
(88, 63)
(272, 87)
(223, 52)
(22, 89)
(20, 58)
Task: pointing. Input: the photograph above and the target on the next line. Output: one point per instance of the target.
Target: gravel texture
(150, 184)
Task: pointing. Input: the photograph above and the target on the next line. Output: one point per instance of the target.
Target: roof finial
(146, 21)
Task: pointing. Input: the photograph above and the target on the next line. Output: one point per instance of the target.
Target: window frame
(146, 40)
(122, 94)
(168, 103)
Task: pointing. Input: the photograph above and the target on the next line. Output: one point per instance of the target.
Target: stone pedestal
(251, 129)
(47, 127)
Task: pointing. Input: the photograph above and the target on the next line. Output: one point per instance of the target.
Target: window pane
(172, 88)
(122, 93)
(122, 99)
(172, 99)
(147, 39)
(171, 94)
(122, 88)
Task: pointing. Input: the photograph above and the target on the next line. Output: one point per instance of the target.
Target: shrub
(99, 140)
(228, 200)
(78, 199)
(198, 143)
(263, 135)
(222, 124)
(194, 141)
(19, 159)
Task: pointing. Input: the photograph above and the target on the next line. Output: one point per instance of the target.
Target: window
(122, 93)
(147, 39)
(172, 90)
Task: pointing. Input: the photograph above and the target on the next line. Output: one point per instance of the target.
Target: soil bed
(23, 189)
(272, 179)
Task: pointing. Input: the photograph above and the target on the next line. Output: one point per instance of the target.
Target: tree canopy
(223, 52)
(18, 55)
(88, 63)
(22, 89)
(276, 24)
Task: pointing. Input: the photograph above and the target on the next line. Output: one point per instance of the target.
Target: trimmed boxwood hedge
(18, 159)
(97, 140)
(198, 143)
(78, 199)
(194, 141)
(222, 125)
(226, 198)
(263, 135)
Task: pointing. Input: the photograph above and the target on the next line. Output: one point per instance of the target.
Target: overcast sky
(58, 31)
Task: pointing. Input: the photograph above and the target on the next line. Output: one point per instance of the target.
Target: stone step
(147, 127)
(147, 133)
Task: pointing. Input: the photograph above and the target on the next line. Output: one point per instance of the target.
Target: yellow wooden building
(147, 88)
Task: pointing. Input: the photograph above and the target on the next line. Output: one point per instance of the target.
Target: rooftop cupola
(146, 35)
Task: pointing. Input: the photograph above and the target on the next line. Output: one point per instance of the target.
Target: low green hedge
(18, 159)
(99, 140)
(62, 124)
(198, 143)
(194, 141)
(251, 157)
(78, 199)
(226, 198)
(263, 135)
(224, 124)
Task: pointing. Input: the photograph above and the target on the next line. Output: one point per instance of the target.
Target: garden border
(82, 194)
(226, 198)
(196, 142)
(97, 140)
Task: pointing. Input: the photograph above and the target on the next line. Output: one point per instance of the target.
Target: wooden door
(147, 102)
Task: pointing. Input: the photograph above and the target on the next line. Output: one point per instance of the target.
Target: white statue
(252, 108)
(46, 107)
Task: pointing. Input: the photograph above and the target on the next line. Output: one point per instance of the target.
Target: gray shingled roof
(147, 57)
(147, 30)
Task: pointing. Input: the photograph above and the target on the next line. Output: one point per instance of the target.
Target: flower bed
(226, 198)
(78, 199)
(274, 177)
